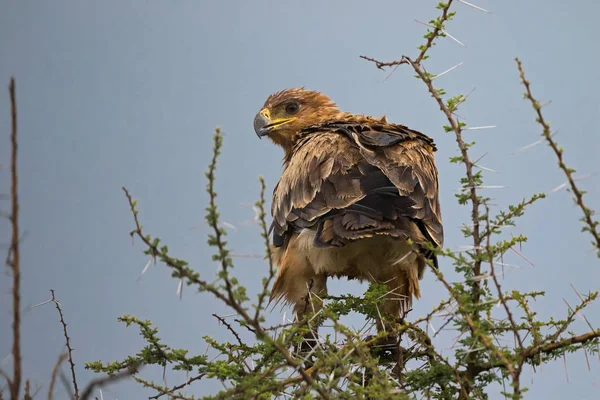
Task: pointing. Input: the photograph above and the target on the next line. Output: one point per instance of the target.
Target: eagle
(357, 198)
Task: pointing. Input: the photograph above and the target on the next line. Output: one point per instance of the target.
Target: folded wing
(351, 180)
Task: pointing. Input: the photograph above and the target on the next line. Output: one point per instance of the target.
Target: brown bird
(358, 197)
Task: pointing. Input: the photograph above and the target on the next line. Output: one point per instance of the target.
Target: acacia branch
(475, 331)
(212, 216)
(505, 218)
(455, 127)
(570, 318)
(532, 353)
(183, 271)
(517, 372)
(438, 29)
(471, 185)
(260, 204)
(503, 300)
(591, 225)
(550, 347)
(260, 333)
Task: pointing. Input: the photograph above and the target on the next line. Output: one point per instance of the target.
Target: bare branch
(13, 259)
(68, 343)
(27, 395)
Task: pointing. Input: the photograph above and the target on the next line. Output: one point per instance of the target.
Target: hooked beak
(263, 124)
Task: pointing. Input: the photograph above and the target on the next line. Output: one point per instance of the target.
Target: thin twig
(178, 387)
(68, 343)
(212, 219)
(261, 215)
(229, 328)
(161, 390)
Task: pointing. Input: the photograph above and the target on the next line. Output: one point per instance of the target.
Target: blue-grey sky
(128, 93)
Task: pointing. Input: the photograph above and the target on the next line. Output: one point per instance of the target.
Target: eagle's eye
(292, 108)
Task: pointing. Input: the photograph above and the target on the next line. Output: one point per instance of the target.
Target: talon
(387, 348)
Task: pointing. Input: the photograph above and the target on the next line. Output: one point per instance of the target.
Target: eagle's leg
(397, 304)
(310, 303)
(388, 318)
(402, 284)
(301, 285)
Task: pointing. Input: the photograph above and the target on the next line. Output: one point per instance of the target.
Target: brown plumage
(354, 188)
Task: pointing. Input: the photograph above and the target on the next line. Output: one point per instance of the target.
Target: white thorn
(476, 128)
(575, 179)
(536, 143)
(256, 213)
(507, 265)
(474, 6)
(485, 169)
(381, 318)
(453, 38)
(245, 255)
(446, 71)
(187, 379)
(41, 304)
(180, 289)
(444, 32)
(432, 328)
(402, 259)
(145, 269)
(469, 247)
(560, 187)
(229, 225)
(483, 187)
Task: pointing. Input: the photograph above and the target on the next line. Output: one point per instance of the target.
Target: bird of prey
(358, 198)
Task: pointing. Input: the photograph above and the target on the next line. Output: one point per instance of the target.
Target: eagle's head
(285, 113)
